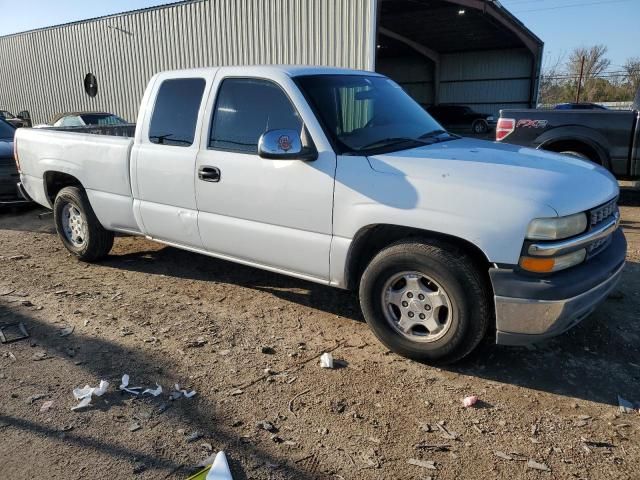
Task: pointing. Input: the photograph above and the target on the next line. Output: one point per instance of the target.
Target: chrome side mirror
(284, 145)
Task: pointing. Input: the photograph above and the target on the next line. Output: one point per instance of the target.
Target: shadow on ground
(590, 362)
(103, 359)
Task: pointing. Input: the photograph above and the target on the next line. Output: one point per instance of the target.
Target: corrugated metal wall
(413, 72)
(487, 80)
(43, 70)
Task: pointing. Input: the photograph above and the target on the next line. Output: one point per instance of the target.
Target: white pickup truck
(339, 177)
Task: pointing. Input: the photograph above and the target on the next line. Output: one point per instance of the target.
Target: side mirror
(284, 145)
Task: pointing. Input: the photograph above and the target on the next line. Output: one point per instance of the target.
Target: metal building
(470, 52)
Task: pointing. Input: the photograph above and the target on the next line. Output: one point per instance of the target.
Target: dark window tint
(247, 108)
(176, 111)
(6, 130)
(97, 119)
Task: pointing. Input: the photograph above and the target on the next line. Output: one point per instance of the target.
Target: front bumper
(530, 309)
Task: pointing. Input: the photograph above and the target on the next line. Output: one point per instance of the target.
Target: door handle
(209, 174)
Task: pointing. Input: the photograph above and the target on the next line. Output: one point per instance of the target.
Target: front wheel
(78, 227)
(425, 301)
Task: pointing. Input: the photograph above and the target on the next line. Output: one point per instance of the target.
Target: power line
(574, 5)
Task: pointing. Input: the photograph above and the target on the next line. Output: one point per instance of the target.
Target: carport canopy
(452, 35)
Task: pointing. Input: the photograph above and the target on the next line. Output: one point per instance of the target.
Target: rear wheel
(425, 301)
(78, 227)
(576, 154)
(480, 127)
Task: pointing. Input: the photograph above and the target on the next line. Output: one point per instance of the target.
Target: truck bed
(96, 157)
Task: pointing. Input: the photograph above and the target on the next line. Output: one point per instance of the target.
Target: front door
(165, 159)
(272, 213)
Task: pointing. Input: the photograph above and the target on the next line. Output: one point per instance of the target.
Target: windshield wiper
(388, 142)
(433, 134)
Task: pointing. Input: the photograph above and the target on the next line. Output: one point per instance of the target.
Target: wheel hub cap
(73, 225)
(416, 306)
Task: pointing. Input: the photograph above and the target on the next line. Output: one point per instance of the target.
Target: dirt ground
(248, 342)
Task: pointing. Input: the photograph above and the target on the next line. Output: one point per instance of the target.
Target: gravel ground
(248, 342)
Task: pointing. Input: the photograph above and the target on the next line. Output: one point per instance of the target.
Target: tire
(480, 127)
(449, 269)
(78, 227)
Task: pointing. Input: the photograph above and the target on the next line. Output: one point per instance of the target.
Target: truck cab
(338, 177)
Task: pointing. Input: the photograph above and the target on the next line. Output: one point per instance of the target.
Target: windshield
(6, 130)
(101, 119)
(362, 113)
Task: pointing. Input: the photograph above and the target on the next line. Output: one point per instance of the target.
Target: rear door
(272, 213)
(164, 158)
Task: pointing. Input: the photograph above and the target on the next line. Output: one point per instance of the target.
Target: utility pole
(580, 79)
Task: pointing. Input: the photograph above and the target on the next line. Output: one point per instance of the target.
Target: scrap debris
(469, 401)
(85, 394)
(155, 392)
(625, 406)
(429, 464)
(326, 360)
(183, 393)
(13, 332)
(124, 386)
(538, 466)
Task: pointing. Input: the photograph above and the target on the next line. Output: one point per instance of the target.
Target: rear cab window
(175, 113)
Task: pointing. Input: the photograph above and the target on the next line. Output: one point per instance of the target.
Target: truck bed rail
(126, 130)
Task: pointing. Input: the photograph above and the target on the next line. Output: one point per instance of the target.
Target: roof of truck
(290, 70)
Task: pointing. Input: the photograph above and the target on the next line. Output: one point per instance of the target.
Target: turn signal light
(504, 128)
(537, 265)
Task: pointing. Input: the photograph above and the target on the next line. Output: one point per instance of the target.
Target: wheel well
(575, 146)
(369, 241)
(56, 181)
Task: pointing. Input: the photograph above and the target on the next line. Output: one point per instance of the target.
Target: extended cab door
(164, 157)
(272, 213)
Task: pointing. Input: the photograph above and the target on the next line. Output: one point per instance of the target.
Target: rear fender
(587, 136)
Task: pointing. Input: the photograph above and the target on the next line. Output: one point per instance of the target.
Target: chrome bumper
(522, 321)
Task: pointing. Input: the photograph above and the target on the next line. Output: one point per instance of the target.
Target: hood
(568, 185)
(6, 148)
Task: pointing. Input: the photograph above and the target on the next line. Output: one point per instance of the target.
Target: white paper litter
(220, 468)
(155, 392)
(625, 406)
(326, 360)
(125, 386)
(85, 394)
(184, 392)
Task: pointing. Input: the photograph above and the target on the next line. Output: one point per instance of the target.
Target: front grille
(603, 212)
(597, 216)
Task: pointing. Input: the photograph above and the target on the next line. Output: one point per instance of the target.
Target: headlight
(557, 228)
(552, 264)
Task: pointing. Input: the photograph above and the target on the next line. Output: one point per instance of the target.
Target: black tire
(98, 241)
(455, 272)
(480, 127)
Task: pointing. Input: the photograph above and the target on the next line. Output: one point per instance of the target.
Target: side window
(70, 121)
(247, 108)
(175, 113)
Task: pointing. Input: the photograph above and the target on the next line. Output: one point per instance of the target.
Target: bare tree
(632, 72)
(595, 63)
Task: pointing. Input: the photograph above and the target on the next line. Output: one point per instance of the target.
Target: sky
(565, 24)
(561, 24)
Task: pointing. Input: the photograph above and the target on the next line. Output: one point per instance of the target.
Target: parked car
(9, 178)
(579, 106)
(23, 119)
(461, 118)
(610, 138)
(339, 177)
(83, 119)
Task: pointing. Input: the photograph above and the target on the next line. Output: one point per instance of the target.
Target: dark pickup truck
(608, 137)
